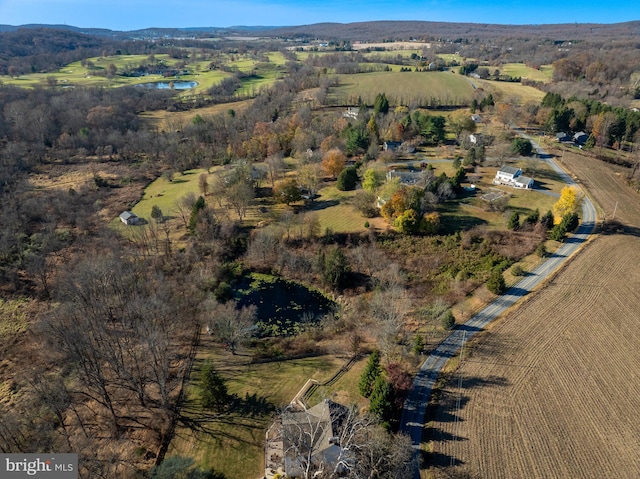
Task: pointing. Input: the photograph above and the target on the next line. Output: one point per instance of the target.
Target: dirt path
(551, 390)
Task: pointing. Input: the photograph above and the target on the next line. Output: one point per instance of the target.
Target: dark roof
(509, 170)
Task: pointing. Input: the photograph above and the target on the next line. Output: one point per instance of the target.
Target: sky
(137, 14)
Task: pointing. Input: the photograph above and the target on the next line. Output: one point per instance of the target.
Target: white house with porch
(511, 176)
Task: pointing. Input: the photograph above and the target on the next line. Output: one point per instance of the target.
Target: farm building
(580, 138)
(293, 433)
(129, 218)
(511, 176)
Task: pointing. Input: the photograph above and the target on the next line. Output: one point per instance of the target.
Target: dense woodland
(116, 320)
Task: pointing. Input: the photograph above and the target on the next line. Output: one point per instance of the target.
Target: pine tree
(213, 390)
(372, 371)
(381, 400)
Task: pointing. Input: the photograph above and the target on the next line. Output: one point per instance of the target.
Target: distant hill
(377, 30)
(150, 32)
(405, 30)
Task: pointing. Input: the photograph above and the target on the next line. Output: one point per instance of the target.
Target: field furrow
(551, 391)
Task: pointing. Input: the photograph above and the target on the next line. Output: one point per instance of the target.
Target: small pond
(284, 308)
(168, 85)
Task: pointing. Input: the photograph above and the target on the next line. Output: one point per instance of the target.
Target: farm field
(401, 88)
(555, 383)
(523, 71)
(517, 92)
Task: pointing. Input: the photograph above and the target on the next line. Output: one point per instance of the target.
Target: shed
(129, 218)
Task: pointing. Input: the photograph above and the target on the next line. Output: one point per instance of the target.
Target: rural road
(413, 412)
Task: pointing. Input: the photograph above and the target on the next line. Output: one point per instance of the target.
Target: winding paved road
(413, 412)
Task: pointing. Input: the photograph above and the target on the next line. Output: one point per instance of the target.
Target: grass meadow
(402, 88)
(521, 70)
(516, 93)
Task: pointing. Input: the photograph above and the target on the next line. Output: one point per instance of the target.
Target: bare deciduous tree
(228, 323)
(389, 308)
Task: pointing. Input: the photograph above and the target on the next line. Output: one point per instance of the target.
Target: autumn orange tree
(333, 162)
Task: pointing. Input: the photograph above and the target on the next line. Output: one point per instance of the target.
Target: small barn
(129, 218)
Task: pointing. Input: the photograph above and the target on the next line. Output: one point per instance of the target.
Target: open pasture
(402, 88)
(521, 70)
(516, 93)
(175, 120)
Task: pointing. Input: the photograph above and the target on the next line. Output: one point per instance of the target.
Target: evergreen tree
(447, 320)
(381, 104)
(381, 400)
(347, 179)
(371, 372)
(514, 221)
(336, 268)
(496, 282)
(193, 219)
(213, 390)
(546, 221)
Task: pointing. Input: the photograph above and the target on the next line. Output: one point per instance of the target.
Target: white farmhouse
(511, 176)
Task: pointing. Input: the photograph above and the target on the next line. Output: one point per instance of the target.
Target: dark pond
(167, 85)
(283, 307)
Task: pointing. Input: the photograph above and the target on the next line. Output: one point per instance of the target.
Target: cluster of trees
(608, 126)
(386, 388)
(411, 208)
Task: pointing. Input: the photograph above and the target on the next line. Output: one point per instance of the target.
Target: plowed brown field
(553, 389)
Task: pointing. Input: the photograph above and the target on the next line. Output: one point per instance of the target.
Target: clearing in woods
(550, 390)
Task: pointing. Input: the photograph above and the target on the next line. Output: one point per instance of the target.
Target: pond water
(283, 307)
(166, 85)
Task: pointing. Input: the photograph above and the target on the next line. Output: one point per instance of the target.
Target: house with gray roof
(512, 176)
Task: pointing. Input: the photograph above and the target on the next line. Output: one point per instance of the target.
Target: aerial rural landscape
(379, 249)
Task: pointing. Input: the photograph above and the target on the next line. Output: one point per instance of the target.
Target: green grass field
(523, 71)
(401, 88)
(163, 193)
(512, 91)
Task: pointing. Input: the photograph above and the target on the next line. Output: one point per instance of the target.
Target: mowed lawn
(233, 442)
(447, 87)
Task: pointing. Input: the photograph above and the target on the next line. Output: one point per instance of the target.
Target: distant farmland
(406, 88)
